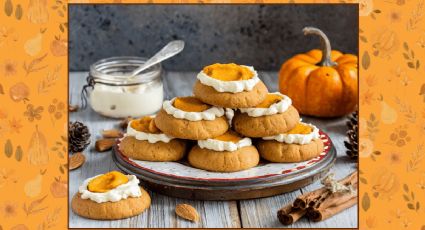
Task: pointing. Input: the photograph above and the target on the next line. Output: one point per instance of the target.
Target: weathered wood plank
(261, 213)
(161, 213)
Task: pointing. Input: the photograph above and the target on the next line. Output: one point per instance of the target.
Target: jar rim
(115, 70)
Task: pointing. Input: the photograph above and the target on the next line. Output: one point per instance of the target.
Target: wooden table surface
(255, 213)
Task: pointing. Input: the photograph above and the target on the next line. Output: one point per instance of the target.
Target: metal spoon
(171, 49)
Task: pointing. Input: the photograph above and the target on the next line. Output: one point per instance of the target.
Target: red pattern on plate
(327, 146)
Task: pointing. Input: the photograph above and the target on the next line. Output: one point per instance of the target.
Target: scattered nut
(73, 108)
(124, 123)
(103, 145)
(187, 212)
(76, 160)
(112, 133)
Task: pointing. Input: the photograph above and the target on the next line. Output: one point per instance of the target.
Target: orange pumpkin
(321, 85)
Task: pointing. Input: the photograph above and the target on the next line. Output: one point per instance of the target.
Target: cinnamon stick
(313, 198)
(324, 213)
(112, 133)
(335, 199)
(289, 215)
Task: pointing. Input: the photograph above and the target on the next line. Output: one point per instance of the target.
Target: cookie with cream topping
(229, 152)
(144, 141)
(299, 144)
(190, 118)
(229, 86)
(110, 196)
(272, 116)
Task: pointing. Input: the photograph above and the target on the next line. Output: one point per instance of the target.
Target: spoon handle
(171, 49)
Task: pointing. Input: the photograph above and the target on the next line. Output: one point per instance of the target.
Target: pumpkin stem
(325, 45)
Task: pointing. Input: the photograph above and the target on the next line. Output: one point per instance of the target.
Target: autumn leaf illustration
(362, 179)
(50, 220)
(409, 197)
(365, 202)
(422, 92)
(38, 12)
(19, 153)
(18, 12)
(63, 27)
(60, 147)
(34, 206)
(375, 13)
(409, 56)
(407, 110)
(372, 126)
(416, 158)
(362, 37)
(49, 81)
(8, 7)
(37, 150)
(34, 65)
(365, 60)
(416, 16)
(8, 148)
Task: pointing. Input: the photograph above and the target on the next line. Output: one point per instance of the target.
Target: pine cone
(79, 137)
(352, 133)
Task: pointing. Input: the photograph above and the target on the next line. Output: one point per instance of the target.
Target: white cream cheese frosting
(301, 139)
(229, 115)
(150, 137)
(278, 107)
(221, 146)
(121, 192)
(209, 114)
(230, 86)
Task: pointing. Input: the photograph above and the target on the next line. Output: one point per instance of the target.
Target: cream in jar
(116, 95)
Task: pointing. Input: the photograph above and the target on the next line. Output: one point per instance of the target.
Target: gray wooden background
(254, 213)
(259, 35)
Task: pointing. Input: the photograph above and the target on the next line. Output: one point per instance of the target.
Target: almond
(76, 160)
(73, 108)
(187, 212)
(112, 133)
(103, 145)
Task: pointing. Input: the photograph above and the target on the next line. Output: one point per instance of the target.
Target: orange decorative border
(33, 114)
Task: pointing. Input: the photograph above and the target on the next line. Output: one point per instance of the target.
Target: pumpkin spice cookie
(229, 86)
(299, 144)
(110, 196)
(144, 141)
(226, 153)
(190, 118)
(272, 116)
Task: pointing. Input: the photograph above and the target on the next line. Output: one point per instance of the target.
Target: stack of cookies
(230, 106)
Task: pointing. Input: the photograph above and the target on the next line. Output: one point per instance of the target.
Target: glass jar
(117, 95)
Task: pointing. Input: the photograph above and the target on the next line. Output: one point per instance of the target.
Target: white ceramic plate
(182, 170)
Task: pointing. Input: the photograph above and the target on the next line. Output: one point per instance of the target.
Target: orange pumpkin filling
(228, 72)
(229, 136)
(190, 104)
(145, 124)
(301, 128)
(270, 100)
(107, 182)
